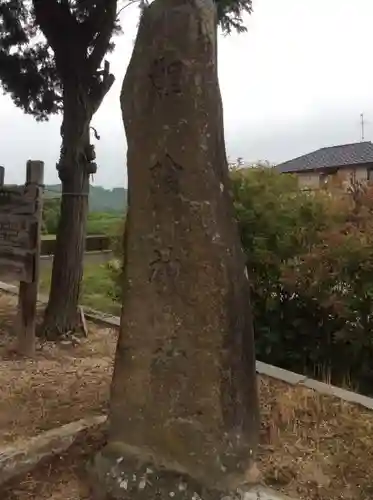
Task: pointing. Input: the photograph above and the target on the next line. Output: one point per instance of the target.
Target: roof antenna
(362, 126)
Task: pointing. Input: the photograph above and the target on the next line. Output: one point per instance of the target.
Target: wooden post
(28, 292)
(2, 175)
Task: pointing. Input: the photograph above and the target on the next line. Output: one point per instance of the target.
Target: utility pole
(362, 126)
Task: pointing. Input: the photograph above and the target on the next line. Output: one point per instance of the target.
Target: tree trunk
(61, 312)
(67, 272)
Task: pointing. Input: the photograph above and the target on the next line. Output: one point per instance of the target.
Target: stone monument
(184, 405)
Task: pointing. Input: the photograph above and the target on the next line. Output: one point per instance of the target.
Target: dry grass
(313, 447)
(60, 385)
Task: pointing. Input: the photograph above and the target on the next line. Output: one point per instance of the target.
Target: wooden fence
(20, 229)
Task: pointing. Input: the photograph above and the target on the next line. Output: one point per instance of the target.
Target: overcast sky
(296, 81)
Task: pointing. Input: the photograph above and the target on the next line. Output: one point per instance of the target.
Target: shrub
(50, 215)
(310, 261)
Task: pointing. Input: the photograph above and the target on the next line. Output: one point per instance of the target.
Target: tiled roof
(335, 156)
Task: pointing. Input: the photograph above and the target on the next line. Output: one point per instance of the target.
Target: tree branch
(101, 44)
(57, 24)
(101, 88)
(131, 2)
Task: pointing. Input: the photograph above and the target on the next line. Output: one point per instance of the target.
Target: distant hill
(100, 199)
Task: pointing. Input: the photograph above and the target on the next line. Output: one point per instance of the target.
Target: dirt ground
(312, 447)
(61, 384)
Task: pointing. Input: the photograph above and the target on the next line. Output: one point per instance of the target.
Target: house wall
(308, 180)
(340, 179)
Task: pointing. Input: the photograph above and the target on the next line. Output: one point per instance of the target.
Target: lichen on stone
(123, 484)
(142, 483)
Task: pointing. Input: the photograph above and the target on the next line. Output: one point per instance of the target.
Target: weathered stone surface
(184, 382)
(21, 458)
(135, 475)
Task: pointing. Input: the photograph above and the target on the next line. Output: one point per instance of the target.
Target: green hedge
(310, 261)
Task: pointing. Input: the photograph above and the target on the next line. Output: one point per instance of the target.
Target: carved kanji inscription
(165, 175)
(166, 76)
(164, 266)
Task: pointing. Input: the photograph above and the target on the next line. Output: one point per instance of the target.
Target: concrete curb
(19, 459)
(296, 379)
(91, 314)
(262, 368)
(50, 256)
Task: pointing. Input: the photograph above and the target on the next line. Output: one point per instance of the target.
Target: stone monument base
(134, 475)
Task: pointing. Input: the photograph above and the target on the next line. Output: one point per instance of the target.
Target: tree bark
(83, 95)
(78, 59)
(61, 312)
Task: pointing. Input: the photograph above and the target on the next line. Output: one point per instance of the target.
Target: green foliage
(230, 14)
(33, 32)
(104, 222)
(310, 262)
(275, 218)
(51, 215)
(36, 56)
